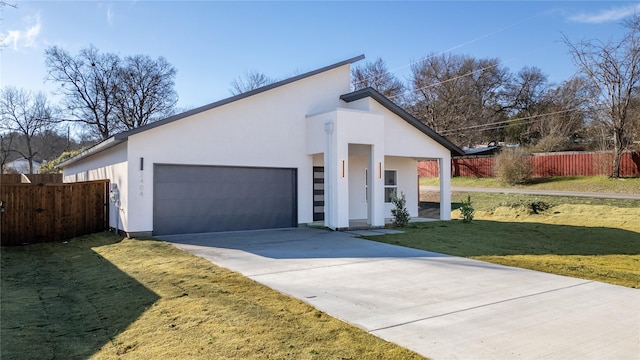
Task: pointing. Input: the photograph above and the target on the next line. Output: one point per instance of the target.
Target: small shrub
(512, 167)
(537, 207)
(400, 213)
(467, 210)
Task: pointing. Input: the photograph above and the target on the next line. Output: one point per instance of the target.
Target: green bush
(51, 167)
(537, 207)
(467, 210)
(512, 167)
(400, 213)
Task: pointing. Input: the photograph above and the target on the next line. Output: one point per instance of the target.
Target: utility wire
(448, 50)
(453, 78)
(507, 122)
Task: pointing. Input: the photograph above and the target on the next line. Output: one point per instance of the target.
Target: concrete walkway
(442, 307)
(536, 192)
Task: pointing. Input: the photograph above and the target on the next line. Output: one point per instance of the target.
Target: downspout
(114, 196)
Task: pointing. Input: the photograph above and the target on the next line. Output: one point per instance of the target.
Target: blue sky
(213, 42)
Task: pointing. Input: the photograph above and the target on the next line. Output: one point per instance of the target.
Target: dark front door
(318, 193)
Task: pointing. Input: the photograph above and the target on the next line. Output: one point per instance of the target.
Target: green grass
(580, 239)
(558, 183)
(102, 297)
(603, 254)
(492, 201)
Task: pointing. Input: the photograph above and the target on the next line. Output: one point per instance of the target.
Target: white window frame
(393, 185)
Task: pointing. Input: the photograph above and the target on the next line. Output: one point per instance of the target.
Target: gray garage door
(195, 199)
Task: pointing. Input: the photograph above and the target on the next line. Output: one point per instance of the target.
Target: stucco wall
(404, 141)
(358, 162)
(109, 164)
(264, 130)
(407, 169)
(402, 138)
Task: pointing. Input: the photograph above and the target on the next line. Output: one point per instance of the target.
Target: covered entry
(197, 199)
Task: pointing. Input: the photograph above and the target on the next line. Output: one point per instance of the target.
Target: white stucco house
(300, 150)
(21, 166)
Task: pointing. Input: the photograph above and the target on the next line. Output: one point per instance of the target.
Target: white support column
(376, 186)
(445, 188)
(341, 190)
(330, 202)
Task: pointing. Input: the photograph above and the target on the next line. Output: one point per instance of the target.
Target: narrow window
(366, 185)
(390, 185)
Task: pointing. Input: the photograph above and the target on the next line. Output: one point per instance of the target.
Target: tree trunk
(617, 152)
(615, 173)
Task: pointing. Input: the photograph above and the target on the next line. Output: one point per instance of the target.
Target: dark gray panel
(194, 199)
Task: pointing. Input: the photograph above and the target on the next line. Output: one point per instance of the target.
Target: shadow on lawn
(552, 179)
(64, 301)
(487, 238)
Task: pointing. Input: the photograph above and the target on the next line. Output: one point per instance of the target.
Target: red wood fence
(543, 165)
(37, 213)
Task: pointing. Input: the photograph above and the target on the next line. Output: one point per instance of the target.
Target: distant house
(21, 166)
(486, 150)
(302, 150)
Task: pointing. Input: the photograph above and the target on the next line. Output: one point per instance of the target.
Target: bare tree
(7, 149)
(613, 68)
(456, 94)
(251, 80)
(26, 114)
(145, 91)
(526, 90)
(375, 75)
(522, 102)
(108, 94)
(560, 114)
(88, 82)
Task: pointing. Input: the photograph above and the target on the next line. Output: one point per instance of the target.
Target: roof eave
(99, 147)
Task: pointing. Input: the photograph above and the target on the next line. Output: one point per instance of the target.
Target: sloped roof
(124, 136)
(391, 106)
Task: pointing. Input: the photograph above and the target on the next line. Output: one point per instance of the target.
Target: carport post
(445, 188)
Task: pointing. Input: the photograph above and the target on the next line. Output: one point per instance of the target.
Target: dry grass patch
(566, 214)
(146, 299)
(558, 183)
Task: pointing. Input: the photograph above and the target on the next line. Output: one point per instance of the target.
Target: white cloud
(23, 38)
(603, 16)
(110, 15)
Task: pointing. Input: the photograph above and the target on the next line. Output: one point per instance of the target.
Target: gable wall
(402, 138)
(264, 130)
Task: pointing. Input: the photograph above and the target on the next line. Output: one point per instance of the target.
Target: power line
(455, 78)
(505, 123)
(449, 50)
(4, 3)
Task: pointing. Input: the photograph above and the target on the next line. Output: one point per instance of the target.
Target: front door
(318, 193)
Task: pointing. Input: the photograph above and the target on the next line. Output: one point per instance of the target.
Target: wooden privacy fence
(543, 165)
(37, 213)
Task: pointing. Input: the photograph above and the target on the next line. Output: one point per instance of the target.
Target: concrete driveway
(443, 307)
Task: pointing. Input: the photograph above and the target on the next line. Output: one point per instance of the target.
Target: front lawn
(584, 240)
(102, 297)
(558, 183)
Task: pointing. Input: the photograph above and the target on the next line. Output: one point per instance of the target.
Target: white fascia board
(101, 146)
